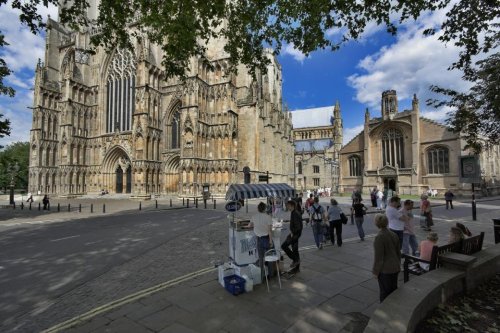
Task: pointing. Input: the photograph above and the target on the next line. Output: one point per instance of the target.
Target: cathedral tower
(389, 105)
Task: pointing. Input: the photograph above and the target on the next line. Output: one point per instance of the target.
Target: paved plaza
(173, 287)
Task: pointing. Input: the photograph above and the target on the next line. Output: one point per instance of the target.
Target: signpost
(470, 172)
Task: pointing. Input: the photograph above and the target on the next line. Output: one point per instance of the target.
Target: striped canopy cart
(237, 192)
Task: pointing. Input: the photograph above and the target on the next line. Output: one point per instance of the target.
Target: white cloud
(411, 65)
(21, 56)
(292, 51)
(350, 133)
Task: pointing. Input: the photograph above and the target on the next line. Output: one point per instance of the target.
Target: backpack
(316, 216)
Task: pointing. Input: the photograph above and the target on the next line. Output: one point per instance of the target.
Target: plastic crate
(234, 284)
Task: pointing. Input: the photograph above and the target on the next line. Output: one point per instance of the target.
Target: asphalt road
(52, 272)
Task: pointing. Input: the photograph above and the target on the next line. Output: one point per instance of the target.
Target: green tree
(15, 153)
(182, 27)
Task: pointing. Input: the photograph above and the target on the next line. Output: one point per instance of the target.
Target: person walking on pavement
(292, 240)
(426, 221)
(308, 204)
(387, 258)
(45, 202)
(396, 218)
(358, 210)
(380, 197)
(262, 228)
(448, 196)
(409, 237)
(335, 221)
(373, 196)
(318, 216)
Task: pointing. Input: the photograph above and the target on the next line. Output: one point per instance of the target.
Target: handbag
(343, 218)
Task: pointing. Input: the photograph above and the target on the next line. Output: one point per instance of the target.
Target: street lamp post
(13, 169)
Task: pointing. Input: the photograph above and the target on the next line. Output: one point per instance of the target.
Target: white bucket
(248, 283)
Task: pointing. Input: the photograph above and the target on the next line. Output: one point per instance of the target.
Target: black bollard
(196, 202)
(58, 207)
(215, 204)
(80, 208)
(170, 202)
(22, 205)
(104, 208)
(246, 207)
(39, 206)
(205, 203)
(140, 205)
(30, 205)
(183, 201)
(91, 208)
(69, 207)
(156, 204)
(187, 203)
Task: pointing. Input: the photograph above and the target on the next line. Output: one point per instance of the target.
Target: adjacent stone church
(409, 154)
(110, 121)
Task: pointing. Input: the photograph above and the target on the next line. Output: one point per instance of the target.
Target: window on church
(176, 131)
(299, 167)
(438, 160)
(393, 148)
(315, 168)
(316, 181)
(120, 88)
(354, 166)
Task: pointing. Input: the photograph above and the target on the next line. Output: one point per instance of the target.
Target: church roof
(313, 145)
(316, 117)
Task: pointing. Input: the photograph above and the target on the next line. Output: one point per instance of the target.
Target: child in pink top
(426, 248)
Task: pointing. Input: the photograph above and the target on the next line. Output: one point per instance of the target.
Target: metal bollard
(156, 204)
(30, 205)
(39, 206)
(205, 202)
(69, 207)
(22, 205)
(196, 202)
(58, 207)
(183, 201)
(91, 208)
(187, 203)
(104, 208)
(80, 208)
(170, 202)
(215, 204)
(140, 205)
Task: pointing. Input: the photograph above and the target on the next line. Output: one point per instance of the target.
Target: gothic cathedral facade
(111, 121)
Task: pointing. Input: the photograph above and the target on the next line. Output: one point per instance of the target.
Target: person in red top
(425, 211)
(308, 204)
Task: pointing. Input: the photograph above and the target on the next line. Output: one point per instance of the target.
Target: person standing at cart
(292, 240)
(262, 228)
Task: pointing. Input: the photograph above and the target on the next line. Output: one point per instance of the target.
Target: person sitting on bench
(425, 248)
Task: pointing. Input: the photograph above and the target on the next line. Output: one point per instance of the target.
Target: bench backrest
(439, 250)
(473, 244)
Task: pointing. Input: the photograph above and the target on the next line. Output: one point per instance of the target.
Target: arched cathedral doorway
(117, 171)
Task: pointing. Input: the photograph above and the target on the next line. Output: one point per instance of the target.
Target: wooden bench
(467, 246)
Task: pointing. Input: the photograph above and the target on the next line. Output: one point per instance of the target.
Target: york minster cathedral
(111, 121)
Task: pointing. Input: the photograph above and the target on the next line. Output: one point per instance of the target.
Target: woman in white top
(335, 221)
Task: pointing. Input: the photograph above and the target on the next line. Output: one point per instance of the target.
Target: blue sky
(355, 75)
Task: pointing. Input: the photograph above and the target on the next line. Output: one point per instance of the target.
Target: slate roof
(313, 145)
(316, 117)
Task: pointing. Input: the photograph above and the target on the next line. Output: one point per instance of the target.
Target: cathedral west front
(111, 121)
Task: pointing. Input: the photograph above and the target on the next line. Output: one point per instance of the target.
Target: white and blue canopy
(249, 191)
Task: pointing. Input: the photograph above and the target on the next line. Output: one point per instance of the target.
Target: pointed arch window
(176, 130)
(299, 167)
(120, 88)
(354, 166)
(438, 160)
(393, 148)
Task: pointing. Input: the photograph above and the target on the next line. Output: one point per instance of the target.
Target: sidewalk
(334, 292)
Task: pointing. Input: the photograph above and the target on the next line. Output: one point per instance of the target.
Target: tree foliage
(183, 27)
(15, 153)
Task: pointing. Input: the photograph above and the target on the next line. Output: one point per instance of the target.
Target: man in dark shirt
(292, 240)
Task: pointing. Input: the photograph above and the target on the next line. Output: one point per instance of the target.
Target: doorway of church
(119, 179)
(390, 183)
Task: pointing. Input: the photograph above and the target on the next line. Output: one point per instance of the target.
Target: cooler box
(243, 246)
